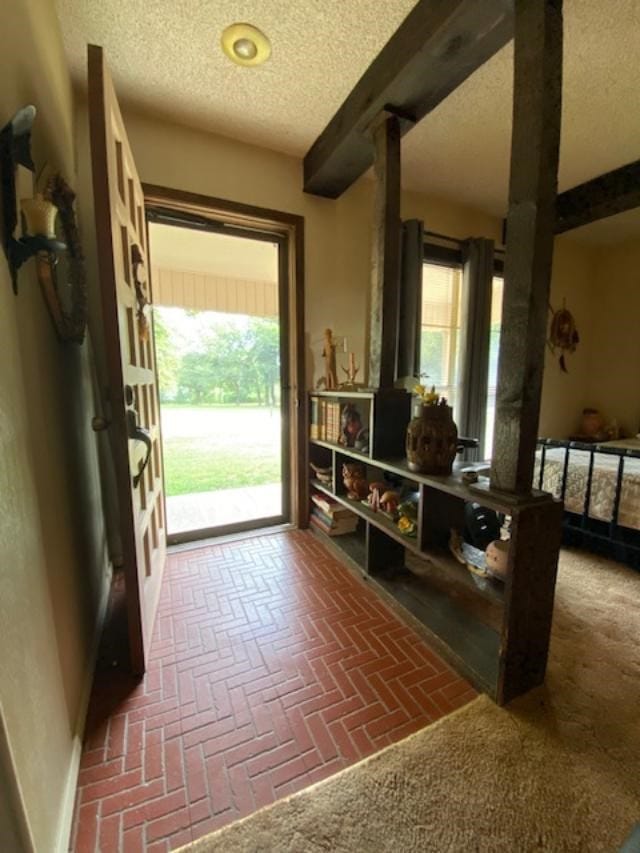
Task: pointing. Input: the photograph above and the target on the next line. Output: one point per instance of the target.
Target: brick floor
(271, 668)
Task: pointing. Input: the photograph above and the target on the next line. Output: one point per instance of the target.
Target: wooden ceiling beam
(438, 45)
(598, 198)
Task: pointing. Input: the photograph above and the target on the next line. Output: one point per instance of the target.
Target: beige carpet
(558, 771)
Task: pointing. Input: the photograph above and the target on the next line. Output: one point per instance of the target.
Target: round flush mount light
(245, 44)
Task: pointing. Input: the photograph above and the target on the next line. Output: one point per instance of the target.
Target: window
(440, 327)
(441, 336)
(497, 290)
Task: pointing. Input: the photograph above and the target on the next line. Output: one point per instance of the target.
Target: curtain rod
(443, 237)
(454, 240)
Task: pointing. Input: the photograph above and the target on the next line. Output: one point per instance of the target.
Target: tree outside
(219, 383)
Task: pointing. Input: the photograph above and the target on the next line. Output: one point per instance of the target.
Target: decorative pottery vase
(432, 440)
(592, 423)
(497, 555)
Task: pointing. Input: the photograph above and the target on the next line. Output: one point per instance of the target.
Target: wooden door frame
(291, 228)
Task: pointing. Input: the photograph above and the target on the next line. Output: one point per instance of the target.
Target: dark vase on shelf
(432, 440)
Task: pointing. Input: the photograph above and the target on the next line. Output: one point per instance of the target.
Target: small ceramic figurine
(375, 491)
(353, 476)
(389, 502)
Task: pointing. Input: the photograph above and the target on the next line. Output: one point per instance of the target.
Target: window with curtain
(497, 290)
(440, 327)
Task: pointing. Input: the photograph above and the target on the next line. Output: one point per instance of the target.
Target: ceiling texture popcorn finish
(166, 61)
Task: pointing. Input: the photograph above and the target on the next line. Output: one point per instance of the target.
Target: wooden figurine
(329, 355)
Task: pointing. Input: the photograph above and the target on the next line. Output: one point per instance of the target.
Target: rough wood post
(535, 142)
(385, 272)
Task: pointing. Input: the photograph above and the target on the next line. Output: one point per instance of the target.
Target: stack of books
(330, 517)
(325, 420)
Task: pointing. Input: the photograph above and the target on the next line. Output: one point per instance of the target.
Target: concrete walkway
(227, 506)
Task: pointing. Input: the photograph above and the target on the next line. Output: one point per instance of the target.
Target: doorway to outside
(219, 346)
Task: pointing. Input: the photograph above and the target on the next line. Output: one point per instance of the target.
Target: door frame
(288, 230)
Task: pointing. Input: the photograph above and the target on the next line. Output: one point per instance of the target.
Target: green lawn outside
(219, 447)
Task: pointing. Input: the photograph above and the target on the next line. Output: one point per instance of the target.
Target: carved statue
(329, 355)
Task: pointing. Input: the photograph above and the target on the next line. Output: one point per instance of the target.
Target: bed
(600, 486)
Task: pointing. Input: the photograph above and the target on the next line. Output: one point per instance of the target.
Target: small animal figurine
(389, 502)
(353, 477)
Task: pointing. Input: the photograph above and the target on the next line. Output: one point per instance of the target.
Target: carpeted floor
(559, 770)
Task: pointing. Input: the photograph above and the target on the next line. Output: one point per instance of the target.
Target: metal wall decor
(15, 150)
(62, 276)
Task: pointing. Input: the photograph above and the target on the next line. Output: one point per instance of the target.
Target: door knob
(98, 423)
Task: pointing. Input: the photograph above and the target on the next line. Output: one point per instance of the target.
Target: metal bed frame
(603, 537)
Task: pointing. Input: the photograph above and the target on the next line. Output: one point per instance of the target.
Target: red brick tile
(219, 785)
(173, 766)
(323, 741)
(250, 749)
(88, 827)
(195, 773)
(133, 840)
(229, 739)
(112, 785)
(271, 668)
(271, 758)
(109, 836)
(386, 723)
(98, 772)
(126, 799)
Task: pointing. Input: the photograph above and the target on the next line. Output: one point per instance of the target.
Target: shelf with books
(495, 632)
(371, 423)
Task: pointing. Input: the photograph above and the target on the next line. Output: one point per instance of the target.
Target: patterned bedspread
(603, 488)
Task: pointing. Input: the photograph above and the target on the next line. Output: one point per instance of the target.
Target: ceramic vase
(432, 440)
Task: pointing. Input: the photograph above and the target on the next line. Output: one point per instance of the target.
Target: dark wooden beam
(385, 257)
(439, 45)
(603, 196)
(535, 142)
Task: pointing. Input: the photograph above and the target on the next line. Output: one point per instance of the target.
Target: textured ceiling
(166, 61)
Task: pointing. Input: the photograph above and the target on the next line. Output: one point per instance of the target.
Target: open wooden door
(133, 393)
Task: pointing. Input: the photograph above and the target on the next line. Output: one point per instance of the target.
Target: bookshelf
(494, 633)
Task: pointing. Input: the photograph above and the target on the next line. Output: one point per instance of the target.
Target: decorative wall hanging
(15, 150)
(140, 280)
(563, 334)
(62, 276)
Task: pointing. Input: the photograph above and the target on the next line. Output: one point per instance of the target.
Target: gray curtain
(412, 258)
(474, 350)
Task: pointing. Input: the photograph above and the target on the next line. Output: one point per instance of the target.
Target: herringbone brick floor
(271, 667)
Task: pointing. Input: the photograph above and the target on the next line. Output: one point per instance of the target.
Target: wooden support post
(531, 221)
(385, 262)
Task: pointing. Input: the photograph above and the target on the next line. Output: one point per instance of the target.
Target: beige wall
(51, 537)
(614, 363)
(338, 243)
(565, 394)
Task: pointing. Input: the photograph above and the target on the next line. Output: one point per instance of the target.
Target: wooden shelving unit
(496, 634)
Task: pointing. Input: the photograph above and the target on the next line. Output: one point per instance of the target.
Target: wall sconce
(39, 213)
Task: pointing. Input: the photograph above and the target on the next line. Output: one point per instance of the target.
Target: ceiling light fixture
(245, 44)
